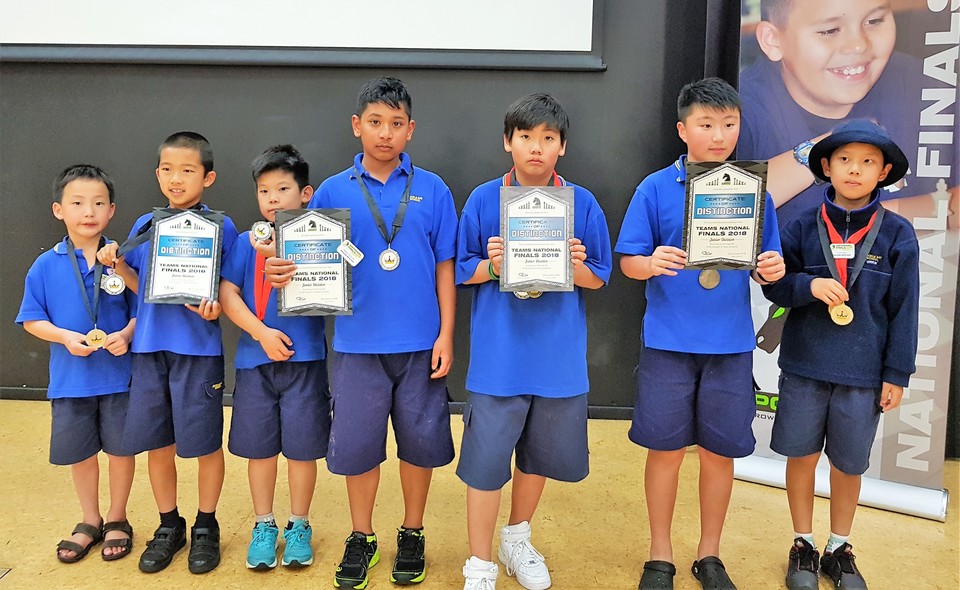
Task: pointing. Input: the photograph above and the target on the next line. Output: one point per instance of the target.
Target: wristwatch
(801, 153)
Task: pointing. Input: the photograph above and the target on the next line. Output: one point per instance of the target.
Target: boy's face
(383, 131)
(182, 177)
(855, 169)
(277, 190)
(535, 151)
(833, 51)
(85, 208)
(710, 134)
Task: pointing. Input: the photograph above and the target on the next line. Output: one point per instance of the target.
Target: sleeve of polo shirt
(444, 235)
(134, 258)
(33, 307)
(596, 239)
(637, 236)
(470, 248)
(229, 237)
(771, 233)
(234, 262)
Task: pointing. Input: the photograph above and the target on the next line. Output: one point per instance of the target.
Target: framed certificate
(312, 238)
(185, 249)
(723, 215)
(535, 223)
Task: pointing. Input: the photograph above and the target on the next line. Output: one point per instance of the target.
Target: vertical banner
(806, 67)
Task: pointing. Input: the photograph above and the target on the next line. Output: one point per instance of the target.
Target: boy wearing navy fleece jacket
(850, 342)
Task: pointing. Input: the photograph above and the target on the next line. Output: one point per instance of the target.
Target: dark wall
(53, 115)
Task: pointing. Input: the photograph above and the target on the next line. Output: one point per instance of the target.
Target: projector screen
(563, 34)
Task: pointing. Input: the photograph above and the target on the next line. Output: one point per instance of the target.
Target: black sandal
(125, 545)
(711, 574)
(657, 575)
(95, 534)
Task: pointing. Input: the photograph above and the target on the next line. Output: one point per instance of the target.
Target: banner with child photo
(806, 67)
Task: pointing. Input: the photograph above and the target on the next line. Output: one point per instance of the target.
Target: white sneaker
(520, 558)
(480, 574)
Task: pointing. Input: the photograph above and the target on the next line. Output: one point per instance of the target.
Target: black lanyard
(97, 275)
(375, 210)
(144, 233)
(864, 248)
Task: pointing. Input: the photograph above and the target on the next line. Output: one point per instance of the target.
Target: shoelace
(807, 559)
(845, 561)
(408, 545)
(522, 553)
(260, 536)
(356, 550)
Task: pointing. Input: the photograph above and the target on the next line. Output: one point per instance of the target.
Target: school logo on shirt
(874, 258)
(415, 198)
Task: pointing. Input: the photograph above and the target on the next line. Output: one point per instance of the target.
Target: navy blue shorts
(281, 407)
(549, 435)
(811, 412)
(83, 426)
(175, 399)
(688, 399)
(366, 389)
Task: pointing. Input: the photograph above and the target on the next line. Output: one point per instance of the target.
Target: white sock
(808, 537)
(267, 518)
(834, 542)
(520, 529)
(295, 517)
(480, 564)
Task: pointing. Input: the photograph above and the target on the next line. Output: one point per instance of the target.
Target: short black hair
(285, 158)
(711, 93)
(536, 109)
(191, 140)
(776, 11)
(388, 90)
(77, 172)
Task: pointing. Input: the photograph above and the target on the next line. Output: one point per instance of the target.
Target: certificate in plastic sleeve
(535, 223)
(322, 283)
(185, 249)
(723, 215)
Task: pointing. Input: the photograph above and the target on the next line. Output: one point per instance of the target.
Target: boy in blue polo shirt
(67, 302)
(694, 379)
(176, 397)
(394, 352)
(850, 342)
(280, 402)
(528, 357)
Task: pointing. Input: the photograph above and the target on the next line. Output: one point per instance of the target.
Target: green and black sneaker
(359, 555)
(409, 567)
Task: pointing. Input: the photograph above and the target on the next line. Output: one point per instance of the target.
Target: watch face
(802, 152)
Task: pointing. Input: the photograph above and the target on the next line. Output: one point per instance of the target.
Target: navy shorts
(175, 399)
(281, 407)
(688, 399)
(811, 412)
(366, 389)
(549, 435)
(83, 426)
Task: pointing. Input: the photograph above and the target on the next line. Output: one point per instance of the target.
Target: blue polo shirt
(51, 293)
(529, 346)
(173, 327)
(393, 311)
(306, 332)
(682, 316)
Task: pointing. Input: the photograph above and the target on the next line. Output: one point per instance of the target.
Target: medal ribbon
(830, 235)
(97, 275)
(375, 210)
(510, 178)
(261, 287)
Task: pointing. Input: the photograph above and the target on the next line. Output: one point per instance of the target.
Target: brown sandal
(125, 545)
(95, 534)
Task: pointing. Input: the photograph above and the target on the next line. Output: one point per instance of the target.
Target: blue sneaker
(298, 552)
(262, 554)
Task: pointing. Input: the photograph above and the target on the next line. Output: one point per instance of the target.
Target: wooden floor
(592, 533)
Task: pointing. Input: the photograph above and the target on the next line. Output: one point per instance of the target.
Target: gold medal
(389, 259)
(534, 294)
(841, 314)
(709, 278)
(96, 338)
(521, 295)
(262, 231)
(113, 284)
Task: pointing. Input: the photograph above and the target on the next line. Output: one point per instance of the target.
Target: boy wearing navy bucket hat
(850, 342)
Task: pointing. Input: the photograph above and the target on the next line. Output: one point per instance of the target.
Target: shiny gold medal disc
(841, 314)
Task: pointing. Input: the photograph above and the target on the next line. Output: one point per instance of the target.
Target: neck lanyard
(375, 210)
(830, 235)
(97, 275)
(261, 287)
(144, 234)
(510, 178)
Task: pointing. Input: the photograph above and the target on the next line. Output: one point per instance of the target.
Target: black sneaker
(840, 566)
(359, 555)
(204, 549)
(409, 567)
(163, 546)
(802, 571)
